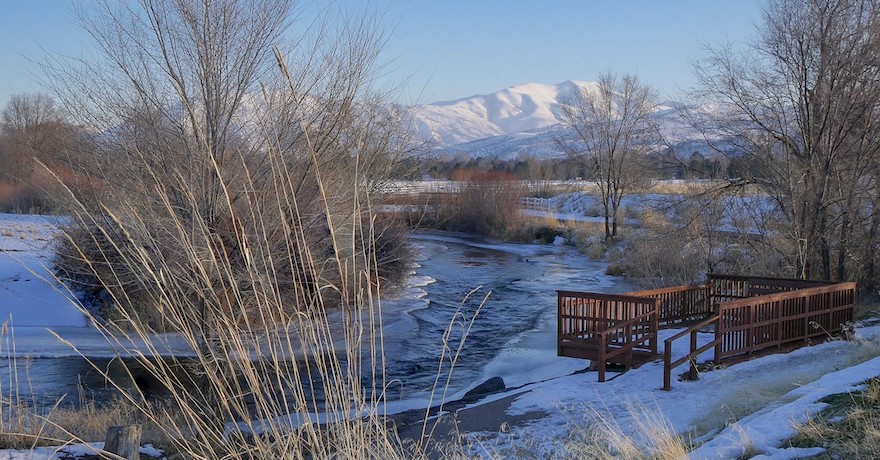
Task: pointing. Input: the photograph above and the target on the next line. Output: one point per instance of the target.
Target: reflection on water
(522, 280)
(68, 381)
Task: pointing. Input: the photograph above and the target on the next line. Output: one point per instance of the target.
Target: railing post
(808, 306)
(601, 364)
(719, 334)
(750, 330)
(667, 363)
(778, 324)
(559, 328)
(849, 314)
(655, 327)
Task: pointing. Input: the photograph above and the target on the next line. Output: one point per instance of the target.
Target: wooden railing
(627, 337)
(744, 326)
(537, 204)
(691, 357)
(730, 287)
(604, 326)
(681, 303)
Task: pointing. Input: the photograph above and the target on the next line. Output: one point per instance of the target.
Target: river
(514, 335)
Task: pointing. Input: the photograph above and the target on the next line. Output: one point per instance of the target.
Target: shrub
(679, 242)
(250, 296)
(487, 204)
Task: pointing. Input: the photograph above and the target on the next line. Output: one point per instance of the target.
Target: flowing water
(513, 336)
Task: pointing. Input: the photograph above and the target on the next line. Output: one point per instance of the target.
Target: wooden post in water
(124, 441)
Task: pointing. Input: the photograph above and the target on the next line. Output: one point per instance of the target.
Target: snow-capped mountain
(518, 109)
(520, 120)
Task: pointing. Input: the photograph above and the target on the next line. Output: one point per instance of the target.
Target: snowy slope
(522, 108)
(522, 120)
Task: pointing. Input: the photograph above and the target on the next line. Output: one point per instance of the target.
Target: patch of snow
(30, 295)
(769, 427)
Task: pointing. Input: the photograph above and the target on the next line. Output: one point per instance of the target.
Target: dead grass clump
(487, 204)
(24, 427)
(681, 239)
(601, 436)
(848, 428)
(21, 197)
(866, 309)
(268, 379)
(658, 254)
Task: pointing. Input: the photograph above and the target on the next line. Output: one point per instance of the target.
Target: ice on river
(513, 289)
(512, 285)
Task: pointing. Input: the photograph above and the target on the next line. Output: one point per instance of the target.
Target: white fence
(448, 186)
(537, 204)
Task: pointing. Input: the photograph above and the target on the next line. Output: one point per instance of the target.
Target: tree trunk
(608, 234)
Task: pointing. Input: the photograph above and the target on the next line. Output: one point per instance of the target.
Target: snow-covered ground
(33, 305)
(75, 451)
(28, 300)
(787, 386)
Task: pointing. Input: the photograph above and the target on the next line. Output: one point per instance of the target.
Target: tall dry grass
(28, 419)
(849, 427)
(600, 436)
(283, 334)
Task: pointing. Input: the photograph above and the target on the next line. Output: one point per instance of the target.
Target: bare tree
(234, 158)
(216, 117)
(801, 104)
(612, 130)
(178, 72)
(33, 128)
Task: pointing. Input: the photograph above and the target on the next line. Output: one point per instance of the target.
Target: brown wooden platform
(589, 351)
(748, 316)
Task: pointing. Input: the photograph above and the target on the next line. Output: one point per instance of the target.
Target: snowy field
(784, 388)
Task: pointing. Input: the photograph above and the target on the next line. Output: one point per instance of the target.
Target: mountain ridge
(521, 120)
(516, 109)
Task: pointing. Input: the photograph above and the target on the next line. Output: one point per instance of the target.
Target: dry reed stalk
(265, 350)
(602, 437)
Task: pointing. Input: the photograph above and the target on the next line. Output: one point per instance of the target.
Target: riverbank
(545, 399)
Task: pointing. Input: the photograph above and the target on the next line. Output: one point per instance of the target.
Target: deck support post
(667, 369)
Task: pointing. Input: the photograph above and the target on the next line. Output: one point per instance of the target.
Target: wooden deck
(749, 315)
(616, 329)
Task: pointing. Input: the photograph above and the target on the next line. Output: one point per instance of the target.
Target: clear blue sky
(449, 49)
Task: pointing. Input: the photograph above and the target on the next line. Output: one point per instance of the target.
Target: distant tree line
(662, 165)
(35, 138)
